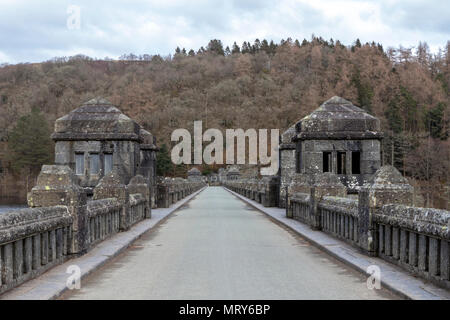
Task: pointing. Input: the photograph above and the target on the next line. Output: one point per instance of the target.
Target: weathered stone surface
(328, 184)
(286, 138)
(388, 186)
(338, 118)
(342, 205)
(21, 223)
(429, 221)
(111, 186)
(104, 137)
(147, 166)
(171, 190)
(56, 185)
(96, 119)
(287, 162)
(138, 185)
(338, 137)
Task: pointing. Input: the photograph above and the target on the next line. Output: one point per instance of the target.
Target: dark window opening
(298, 163)
(79, 163)
(326, 161)
(341, 163)
(356, 160)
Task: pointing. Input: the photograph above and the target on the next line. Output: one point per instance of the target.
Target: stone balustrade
(381, 221)
(103, 219)
(61, 223)
(339, 217)
(264, 191)
(299, 204)
(137, 208)
(416, 239)
(32, 241)
(171, 190)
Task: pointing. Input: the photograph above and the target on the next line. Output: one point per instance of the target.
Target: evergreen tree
(273, 47)
(163, 162)
(201, 50)
(434, 122)
(409, 108)
(392, 114)
(235, 48)
(257, 45)
(265, 46)
(331, 43)
(245, 48)
(365, 92)
(30, 145)
(215, 46)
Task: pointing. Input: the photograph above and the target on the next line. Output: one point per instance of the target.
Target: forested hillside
(257, 85)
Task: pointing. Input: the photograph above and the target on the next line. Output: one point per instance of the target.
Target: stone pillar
(163, 196)
(58, 185)
(387, 186)
(270, 191)
(325, 184)
(287, 161)
(138, 185)
(299, 183)
(111, 186)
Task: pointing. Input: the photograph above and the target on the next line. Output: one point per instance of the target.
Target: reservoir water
(11, 207)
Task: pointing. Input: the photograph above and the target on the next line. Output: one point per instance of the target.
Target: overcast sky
(32, 30)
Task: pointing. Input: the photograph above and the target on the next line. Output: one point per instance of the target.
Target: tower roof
(338, 118)
(96, 119)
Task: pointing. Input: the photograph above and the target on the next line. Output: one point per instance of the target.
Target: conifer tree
(235, 48)
(29, 143)
(163, 162)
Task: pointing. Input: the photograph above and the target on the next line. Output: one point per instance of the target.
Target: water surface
(11, 207)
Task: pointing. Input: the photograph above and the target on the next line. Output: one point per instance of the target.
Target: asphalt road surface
(218, 247)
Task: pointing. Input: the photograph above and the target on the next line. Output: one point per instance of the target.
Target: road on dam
(218, 247)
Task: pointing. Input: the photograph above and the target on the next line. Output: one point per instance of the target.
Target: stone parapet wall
(32, 241)
(62, 223)
(381, 222)
(171, 190)
(103, 219)
(138, 207)
(264, 190)
(417, 239)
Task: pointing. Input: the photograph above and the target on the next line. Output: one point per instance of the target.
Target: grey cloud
(36, 31)
(429, 16)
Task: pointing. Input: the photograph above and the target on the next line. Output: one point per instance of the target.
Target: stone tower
(341, 138)
(98, 138)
